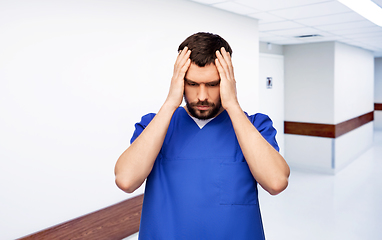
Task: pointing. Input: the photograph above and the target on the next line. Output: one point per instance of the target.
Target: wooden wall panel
(310, 129)
(354, 123)
(378, 106)
(327, 130)
(112, 223)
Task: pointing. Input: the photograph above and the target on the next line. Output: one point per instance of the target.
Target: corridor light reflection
(365, 8)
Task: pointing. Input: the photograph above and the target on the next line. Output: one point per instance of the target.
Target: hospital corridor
(78, 78)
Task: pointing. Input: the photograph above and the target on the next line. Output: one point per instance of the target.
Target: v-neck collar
(201, 122)
(219, 118)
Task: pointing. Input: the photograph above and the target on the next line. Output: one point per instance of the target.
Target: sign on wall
(269, 82)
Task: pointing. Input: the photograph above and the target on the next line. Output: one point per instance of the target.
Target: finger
(220, 68)
(227, 58)
(183, 50)
(181, 54)
(184, 56)
(184, 59)
(223, 63)
(185, 67)
(181, 60)
(179, 57)
(225, 54)
(222, 60)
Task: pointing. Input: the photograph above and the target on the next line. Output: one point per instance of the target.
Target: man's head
(202, 80)
(203, 47)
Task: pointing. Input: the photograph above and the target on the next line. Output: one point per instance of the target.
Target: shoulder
(264, 125)
(146, 119)
(140, 126)
(260, 120)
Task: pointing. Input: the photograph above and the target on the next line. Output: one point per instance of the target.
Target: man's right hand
(182, 63)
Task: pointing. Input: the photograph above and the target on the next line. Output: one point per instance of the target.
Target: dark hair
(203, 47)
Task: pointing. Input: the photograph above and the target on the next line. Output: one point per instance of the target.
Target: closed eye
(190, 83)
(195, 84)
(213, 84)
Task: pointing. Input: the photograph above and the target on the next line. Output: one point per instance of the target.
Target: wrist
(234, 106)
(170, 105)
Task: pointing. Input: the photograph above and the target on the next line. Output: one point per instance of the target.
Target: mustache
(202, 103)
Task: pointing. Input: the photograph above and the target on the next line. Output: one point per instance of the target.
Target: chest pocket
(237, 185)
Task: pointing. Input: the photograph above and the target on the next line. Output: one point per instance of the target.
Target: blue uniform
(200, 186)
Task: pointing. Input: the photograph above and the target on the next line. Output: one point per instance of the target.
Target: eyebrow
(192, 82)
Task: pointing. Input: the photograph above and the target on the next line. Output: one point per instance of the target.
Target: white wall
(309, 153)
(378, 92)
(378, 80)
(75, 77)
(353, 96)
(378, 120)
(351, 145)
(327, 83)
(354, 82)
(271, 48)
(272, 100)
(309, 82)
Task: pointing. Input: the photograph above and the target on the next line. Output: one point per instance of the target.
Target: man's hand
(182, 63)
(227, 80)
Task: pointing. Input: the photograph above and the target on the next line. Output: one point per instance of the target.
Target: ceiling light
(309, 36)
(365, 8)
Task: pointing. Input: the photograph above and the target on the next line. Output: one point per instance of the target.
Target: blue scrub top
(200, 186)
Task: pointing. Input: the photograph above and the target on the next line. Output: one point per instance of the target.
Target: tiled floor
(347, 206)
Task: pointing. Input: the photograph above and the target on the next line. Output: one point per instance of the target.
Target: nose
(202, 93)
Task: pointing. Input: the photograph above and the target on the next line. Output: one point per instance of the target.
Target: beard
(203, 114)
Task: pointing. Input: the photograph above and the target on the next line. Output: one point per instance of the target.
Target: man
(202, 161)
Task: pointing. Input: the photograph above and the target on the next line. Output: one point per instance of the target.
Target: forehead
(208, 73)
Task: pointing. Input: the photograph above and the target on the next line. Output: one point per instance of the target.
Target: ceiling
(282, 21)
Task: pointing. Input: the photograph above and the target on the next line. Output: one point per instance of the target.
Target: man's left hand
(227, 80)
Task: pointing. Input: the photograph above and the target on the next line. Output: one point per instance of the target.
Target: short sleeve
(265, 126)
(140, 126)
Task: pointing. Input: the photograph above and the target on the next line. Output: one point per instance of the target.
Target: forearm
(136, 163)
(267, 166)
